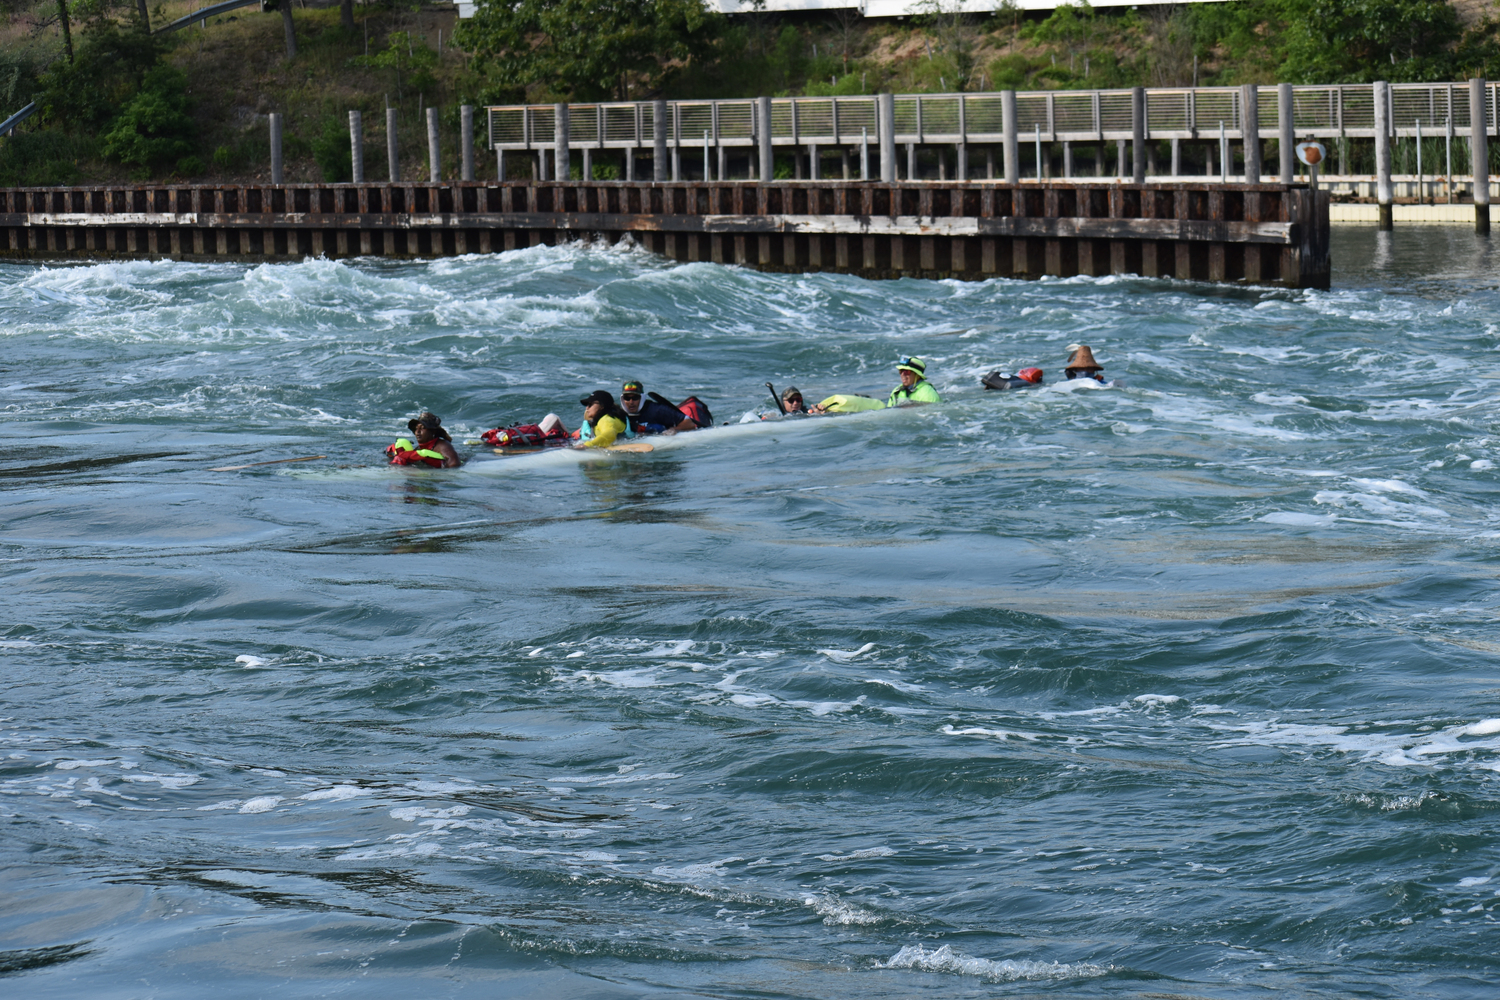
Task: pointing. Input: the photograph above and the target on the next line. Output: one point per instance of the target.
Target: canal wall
(1274, 234)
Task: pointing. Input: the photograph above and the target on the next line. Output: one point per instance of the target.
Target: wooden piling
(356, 147)
(1480, 155)
(1385, 194)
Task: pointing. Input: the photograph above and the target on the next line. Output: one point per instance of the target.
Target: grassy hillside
(193, 104)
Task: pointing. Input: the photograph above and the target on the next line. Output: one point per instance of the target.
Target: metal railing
(1346, 110)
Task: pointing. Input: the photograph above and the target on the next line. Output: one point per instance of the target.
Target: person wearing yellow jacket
(914, 387)
(603, 421)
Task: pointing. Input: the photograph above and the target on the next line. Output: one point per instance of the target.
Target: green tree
(154, 129)
(587, 49)
(1357, 41)
(410, 60)
(110, 67)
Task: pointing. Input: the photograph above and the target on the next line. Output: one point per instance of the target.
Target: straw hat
(1083, 360)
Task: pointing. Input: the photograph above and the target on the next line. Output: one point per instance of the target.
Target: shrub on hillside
(332, 151)
(108, 70)
(154, 130)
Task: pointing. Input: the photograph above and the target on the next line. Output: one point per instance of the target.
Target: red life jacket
(402, 454)
(697, 411)
(525, 436)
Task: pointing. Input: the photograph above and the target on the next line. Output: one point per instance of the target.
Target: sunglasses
(630, 395)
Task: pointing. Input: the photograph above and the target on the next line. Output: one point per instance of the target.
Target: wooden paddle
(633, 448)
(279, 461)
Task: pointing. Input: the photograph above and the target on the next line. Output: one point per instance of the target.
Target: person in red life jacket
(433, 446)
(650, 416)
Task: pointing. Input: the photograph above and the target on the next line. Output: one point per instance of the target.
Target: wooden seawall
(1271, 234)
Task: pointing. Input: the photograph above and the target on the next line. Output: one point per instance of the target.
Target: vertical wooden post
(659, 166)
(1176, 158)
(434, 165)
(1480, 154)
(466, 140)
(886, 125)
(1137, 135)
(1250, 131)
(357, 147)
(561, 129)
(1384, 194)
(276, 173)
(393, 161)
(1010, 129)
(763, 133)
(1287, 130)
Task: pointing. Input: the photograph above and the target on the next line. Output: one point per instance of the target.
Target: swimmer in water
(1081, 364)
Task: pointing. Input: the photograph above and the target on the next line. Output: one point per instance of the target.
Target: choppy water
(1183, 688)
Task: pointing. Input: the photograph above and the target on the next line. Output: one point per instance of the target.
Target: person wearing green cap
(914, 387)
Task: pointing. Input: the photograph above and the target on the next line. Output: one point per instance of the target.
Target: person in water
(647, 416)
(603, 421)
(1025, 378)
(791, 401)
(914, 387)
(1081, 364)
(433, 445)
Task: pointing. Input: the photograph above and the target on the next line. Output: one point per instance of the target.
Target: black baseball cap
(601, 397)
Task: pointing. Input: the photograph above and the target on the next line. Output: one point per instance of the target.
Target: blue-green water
(1185, 687)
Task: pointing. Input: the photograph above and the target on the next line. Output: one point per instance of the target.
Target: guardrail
(1346, 111)
(205, 13)
(9, 125)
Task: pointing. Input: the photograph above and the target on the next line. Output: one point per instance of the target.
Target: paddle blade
(634, 447)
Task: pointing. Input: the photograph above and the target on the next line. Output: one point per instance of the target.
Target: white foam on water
(338, 793)
(1473, 880)
(164, 780)
(641, 677)
(905, 687)
(868, 852)
(1487, 727)
(260, 804)
(1298, 520)
(410, 814)
(71, 765)
(844, 656)
(250, 662)
(1392, 749)
(837, 913)
(708, 869)
(945, 959)
(620, 779)
(1003, 734)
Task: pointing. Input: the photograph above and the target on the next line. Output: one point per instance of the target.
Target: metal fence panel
(1079, 115)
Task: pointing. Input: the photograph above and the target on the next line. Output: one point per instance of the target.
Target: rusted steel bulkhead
(1269, 234)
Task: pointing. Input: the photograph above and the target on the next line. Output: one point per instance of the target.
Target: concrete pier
(1271, 234)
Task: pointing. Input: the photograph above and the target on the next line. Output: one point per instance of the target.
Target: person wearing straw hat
(1081, 364)
(914, 387)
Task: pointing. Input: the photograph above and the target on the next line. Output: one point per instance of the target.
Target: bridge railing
(1346, 110)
